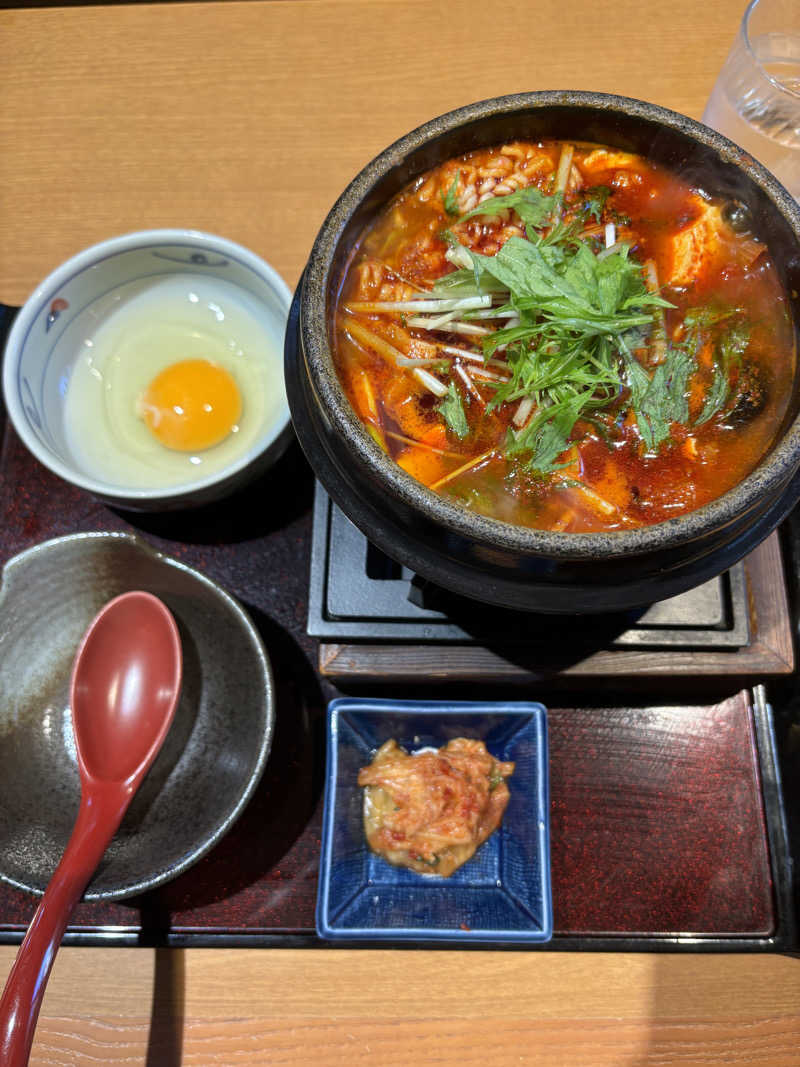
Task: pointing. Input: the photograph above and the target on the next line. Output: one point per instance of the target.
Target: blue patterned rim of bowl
(40, 348)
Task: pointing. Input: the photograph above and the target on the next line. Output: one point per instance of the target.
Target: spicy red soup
(566, 336)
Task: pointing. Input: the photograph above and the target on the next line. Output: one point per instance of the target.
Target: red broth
(426, 386)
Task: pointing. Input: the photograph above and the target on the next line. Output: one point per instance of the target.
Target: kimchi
(430, 811)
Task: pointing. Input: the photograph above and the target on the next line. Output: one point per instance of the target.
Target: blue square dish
(501, 894)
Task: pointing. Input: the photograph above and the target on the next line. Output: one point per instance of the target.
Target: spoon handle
(99, 815)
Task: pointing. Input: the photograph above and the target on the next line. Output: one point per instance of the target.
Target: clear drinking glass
(756, 98)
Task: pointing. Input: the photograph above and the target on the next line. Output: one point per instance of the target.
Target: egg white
(174, 318)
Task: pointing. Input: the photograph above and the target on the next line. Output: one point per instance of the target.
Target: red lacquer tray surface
(657, 820)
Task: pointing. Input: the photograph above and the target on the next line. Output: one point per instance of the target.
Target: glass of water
(756, 98)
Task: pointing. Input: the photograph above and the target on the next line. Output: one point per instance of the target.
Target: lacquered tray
(667, 818)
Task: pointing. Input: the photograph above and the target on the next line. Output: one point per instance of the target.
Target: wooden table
(247, 119)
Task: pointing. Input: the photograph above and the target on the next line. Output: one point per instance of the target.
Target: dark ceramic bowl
(482, 557)
(212, 758)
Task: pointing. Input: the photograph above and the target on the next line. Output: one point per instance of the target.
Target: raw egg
(181, 378)
(191, 405)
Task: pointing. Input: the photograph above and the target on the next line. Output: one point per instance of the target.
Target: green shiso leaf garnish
(532, 206)
(580, 322)
(450, 199)
(568, 351)
(452, 411)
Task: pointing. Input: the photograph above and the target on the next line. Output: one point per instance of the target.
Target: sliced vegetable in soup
(567, 337)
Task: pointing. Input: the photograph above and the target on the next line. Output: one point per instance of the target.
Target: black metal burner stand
(358, 593)
(378, 621)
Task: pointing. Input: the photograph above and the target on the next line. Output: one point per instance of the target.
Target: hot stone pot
(484, 558)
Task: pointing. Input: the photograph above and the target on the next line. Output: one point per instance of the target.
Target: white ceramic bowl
(46, 337)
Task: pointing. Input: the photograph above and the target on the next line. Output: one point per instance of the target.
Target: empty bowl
(212, 758)
(501, 894)
(147, 369)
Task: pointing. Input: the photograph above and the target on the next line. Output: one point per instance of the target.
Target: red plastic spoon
(125, 685)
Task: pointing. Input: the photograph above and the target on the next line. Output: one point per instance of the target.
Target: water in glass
(756, 101)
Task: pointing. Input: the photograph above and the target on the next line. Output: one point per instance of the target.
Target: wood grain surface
(248, 119)
(344, 1007)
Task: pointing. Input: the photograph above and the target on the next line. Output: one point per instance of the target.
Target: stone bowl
(485, 558)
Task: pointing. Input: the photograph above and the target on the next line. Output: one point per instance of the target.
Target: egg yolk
(191, 405)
